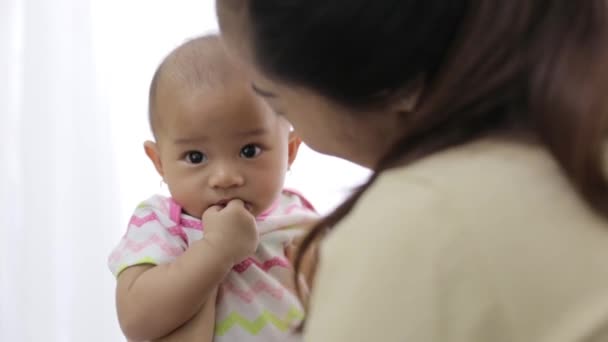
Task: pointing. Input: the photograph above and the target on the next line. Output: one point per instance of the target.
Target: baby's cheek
(190, 198)
(268, 191)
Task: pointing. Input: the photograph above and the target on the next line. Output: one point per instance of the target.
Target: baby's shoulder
(158, 209)
(291, 196)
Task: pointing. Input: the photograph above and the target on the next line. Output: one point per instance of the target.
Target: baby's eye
(250, 151)
(195, 157)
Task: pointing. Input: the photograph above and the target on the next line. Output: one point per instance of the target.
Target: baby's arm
(153, 301)
(201, 328)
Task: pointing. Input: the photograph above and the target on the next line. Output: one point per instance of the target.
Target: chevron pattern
(258, 288)
(137, 247)
(140, 221)
(192, 224)
(266, 265)
(178, 231)
(254, 327)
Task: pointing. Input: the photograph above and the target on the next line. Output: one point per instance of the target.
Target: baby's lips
(247, 205)
(224, 203)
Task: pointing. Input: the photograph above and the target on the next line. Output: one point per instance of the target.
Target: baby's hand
(232, 230)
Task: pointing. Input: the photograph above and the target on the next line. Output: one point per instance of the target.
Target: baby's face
(219, 145)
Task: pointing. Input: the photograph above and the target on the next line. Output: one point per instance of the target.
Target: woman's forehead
(232, 16)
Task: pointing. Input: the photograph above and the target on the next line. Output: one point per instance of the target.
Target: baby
(215, 251)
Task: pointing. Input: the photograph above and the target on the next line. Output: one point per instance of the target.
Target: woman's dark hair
(485, 65)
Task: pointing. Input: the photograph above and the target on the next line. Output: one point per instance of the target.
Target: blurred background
(74, 77)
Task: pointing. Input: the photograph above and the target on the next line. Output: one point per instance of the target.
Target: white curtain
(73, 84)
(57, 177)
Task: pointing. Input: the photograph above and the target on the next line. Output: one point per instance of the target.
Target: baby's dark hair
(198, 64)
(486, 65)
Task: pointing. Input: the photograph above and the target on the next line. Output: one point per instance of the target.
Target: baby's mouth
(223, 203)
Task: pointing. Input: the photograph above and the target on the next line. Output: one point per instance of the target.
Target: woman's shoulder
(490, 162)
(496, 175)
(502, 200)
(491, 174)
(494, 223)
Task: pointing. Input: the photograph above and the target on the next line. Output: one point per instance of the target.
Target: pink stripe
(191, 223)
(140, 221)
(259, 287)
(175, 211)
(178, 231)
(114, 256)
(293, 207)
(268, 211)
(267, 265)
(137, 247)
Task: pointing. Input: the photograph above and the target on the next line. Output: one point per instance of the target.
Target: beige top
(486, 242)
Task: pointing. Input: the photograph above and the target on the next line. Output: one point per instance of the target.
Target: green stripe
(254, 327)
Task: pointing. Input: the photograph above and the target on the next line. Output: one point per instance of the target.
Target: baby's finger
(235, 203)
(212, 209)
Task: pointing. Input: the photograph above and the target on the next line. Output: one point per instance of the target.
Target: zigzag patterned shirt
(254, 303)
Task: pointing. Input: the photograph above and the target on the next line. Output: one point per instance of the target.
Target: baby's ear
(294, 145)
(152, 152)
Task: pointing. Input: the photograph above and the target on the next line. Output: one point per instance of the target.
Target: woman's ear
(151, 149)
(407, 101)
(294, 145)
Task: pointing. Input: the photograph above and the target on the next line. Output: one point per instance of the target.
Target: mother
(484, 122)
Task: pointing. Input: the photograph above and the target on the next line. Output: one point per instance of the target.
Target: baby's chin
(193, 212)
